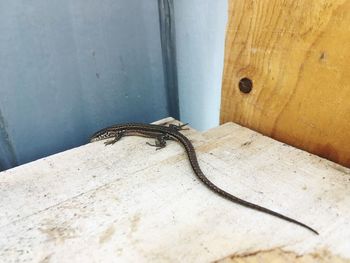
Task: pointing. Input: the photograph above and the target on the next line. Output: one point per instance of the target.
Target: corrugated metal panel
(69, 68)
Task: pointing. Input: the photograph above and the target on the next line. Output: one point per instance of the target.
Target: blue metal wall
(68, 68)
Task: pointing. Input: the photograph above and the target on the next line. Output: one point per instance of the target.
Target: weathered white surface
(130, 203)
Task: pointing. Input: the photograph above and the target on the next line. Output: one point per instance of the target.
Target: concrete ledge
(130, 203)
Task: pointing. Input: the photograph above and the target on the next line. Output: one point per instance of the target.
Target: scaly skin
(171, 132)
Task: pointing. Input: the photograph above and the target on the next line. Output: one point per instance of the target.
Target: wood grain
(297, 55)
(281, 256)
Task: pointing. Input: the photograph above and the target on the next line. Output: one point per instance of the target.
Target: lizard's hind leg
(160, 142)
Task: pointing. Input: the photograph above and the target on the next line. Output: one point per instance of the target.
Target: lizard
(172, 132)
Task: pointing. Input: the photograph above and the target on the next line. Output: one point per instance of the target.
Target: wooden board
(297, 55)
(130, 203)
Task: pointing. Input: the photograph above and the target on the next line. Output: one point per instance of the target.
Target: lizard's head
(104, 134)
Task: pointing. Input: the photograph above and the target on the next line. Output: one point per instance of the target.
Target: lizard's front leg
(117, 137)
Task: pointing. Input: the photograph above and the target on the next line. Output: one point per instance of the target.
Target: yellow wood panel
(297, 54)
